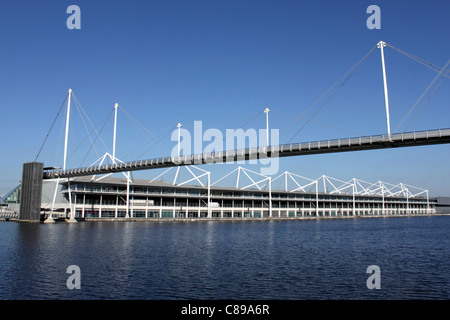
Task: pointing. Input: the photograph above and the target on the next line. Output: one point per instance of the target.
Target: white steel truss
(194, 177)
(261, 183)
(292, 177)
(328, 185)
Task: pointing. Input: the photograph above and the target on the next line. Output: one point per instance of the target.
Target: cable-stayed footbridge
(382, 141)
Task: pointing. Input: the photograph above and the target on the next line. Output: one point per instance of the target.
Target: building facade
(162, 200)
(109, 198)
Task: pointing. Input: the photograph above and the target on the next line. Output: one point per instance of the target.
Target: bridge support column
(31, 193)
(381, 45)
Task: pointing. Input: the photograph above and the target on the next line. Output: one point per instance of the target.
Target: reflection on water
(315, 259)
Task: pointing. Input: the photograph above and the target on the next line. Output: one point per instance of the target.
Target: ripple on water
(228, 260)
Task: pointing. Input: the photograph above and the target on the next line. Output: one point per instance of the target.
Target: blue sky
(223, 62)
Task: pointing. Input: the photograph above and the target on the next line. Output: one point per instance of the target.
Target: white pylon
(179, 137)
(67, 129)
(381, 45)
(115, 130)
(266, 111)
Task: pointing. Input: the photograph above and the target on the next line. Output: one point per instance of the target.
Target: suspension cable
(424, 103)
(440, 74)
(340, 82)
(251, 119)
(317, 122)
(140, 127)
(98, 136)
(420, 60)
(104, 121)
(87, 131)
(76, 100)
(51, 127)
(154, 143)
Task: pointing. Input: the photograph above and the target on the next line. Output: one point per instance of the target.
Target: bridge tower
(381, 45)
(31, 193)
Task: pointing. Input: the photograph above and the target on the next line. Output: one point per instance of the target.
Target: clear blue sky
(222, 62)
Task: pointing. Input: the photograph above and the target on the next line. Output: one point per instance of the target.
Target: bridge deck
(409, 139)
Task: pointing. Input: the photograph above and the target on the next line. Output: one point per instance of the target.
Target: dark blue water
(292, 260)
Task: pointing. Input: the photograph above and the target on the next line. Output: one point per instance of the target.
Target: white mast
(50, 218)
(381, 45)
(67, 129)
(71, 218)
(270, 197)
(179, 151)
(115, 127)
(179, 137)
(266, 111)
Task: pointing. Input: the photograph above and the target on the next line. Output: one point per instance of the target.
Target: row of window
(231, 194)
(228, 204)
(225, 214)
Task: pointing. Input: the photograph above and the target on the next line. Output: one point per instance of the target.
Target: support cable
(250, 119)
(76, 101)
(59, 145)
(104, 120)
(420, 60)
(87, 131)
(424, 103)
(317, 122)
(340, 82)
(51, 127)
(440, 74)
(153, 144)
(140, 127)
(98, 136)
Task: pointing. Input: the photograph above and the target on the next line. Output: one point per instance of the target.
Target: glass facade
(12, 197)
(108, 199)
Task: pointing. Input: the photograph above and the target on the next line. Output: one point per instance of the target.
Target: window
(154, 191)
(153, 214)
(91, 214)
(108, 201)
(193, 214)
(167, 214)
(138, 214)
(108, 214)
(12, 197)
(140, 190)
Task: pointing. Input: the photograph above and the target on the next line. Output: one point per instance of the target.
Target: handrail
(403, 139)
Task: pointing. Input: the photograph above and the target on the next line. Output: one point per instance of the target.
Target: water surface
(291, 260)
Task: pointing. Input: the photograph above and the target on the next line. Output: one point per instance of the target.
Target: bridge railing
(334, 145)
(9, 215)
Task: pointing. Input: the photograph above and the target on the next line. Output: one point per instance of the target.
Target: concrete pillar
(31, 192)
